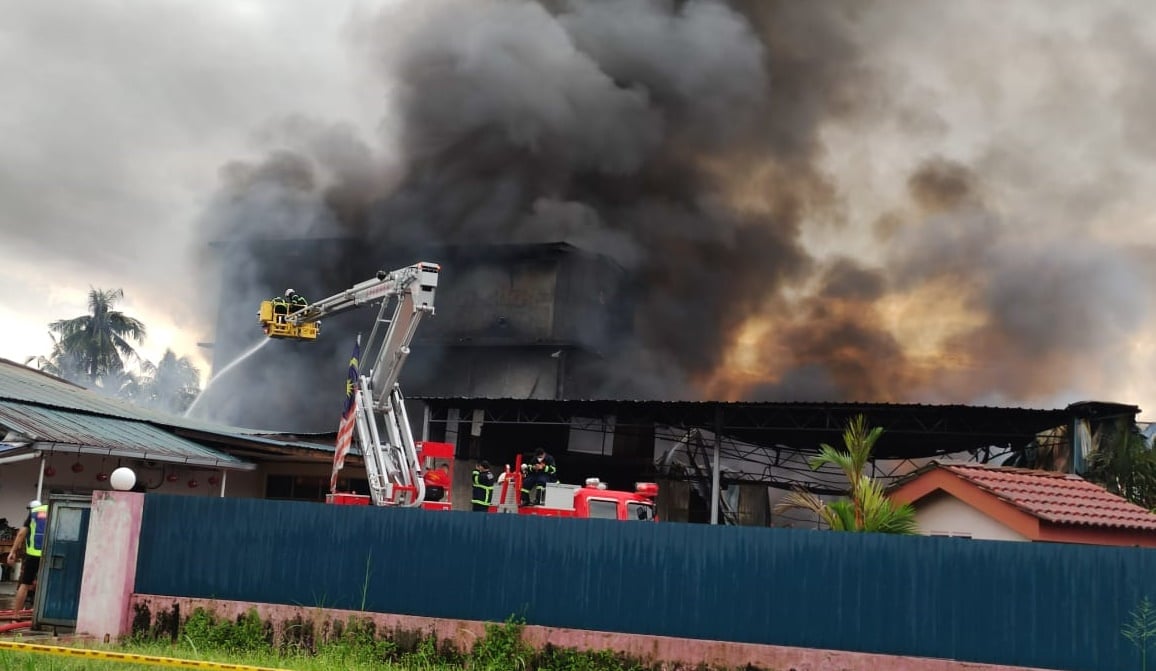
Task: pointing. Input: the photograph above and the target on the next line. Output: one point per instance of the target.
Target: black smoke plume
(684, 141)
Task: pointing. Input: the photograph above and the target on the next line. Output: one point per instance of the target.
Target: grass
(326, 659)
(353, 646)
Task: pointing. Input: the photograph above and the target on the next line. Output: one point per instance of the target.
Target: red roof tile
(1059, 498)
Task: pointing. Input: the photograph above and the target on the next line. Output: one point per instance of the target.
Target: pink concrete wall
(109, 564)
(653, 649)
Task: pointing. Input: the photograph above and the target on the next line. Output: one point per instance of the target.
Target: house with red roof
(971, 500)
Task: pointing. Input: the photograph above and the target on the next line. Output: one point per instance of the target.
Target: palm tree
(867, 507)
(1124, 463)
(57, 363)
(171, 385)
(96, 345)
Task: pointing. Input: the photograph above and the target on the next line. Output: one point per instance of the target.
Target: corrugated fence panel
(1042, 605)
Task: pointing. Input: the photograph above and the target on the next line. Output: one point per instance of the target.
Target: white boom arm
(391, 461)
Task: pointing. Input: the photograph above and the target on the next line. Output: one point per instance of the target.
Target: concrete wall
(671, 653)
(110, 564)
(943, 514)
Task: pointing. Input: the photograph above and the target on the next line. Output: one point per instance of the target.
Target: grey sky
(118, 119)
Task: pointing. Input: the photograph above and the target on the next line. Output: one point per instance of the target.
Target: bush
(247, 634)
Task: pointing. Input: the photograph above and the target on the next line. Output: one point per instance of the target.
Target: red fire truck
(591, 500)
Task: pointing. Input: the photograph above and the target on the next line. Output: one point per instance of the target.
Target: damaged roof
(911, 430)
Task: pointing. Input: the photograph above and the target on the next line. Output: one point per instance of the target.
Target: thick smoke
(711, 149)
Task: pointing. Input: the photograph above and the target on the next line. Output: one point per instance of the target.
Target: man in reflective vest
(483, 487)
(32, 535)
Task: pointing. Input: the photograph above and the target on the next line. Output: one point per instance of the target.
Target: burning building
(512, 321)
(641, 200)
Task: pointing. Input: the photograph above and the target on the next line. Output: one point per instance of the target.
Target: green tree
(93, 347)
(867, 507)
(170, 386)
(1124, 464)
(58, 362)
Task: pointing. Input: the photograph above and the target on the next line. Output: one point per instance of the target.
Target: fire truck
(396, 466)
(592, 500)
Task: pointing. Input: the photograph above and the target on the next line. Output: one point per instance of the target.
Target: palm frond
(829, 514)
(800, 499)
(97, 344)
(867, 508)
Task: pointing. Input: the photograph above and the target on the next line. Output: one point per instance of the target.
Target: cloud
(862, 201)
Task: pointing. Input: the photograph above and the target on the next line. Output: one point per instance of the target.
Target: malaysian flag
(348, 417)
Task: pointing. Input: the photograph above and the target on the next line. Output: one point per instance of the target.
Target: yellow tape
(129, 658)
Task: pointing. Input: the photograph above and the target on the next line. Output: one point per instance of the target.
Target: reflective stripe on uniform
(487, 489)
(34, 546)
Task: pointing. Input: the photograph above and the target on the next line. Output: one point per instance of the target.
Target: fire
(910, 347)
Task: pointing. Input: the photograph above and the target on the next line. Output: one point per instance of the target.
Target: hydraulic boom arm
(391, 460)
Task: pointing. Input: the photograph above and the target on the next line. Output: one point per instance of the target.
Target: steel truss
(774, 440)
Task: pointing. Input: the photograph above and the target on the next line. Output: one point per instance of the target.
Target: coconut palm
(95, 346)
(867, 507)
(57, 363)
(171, 385)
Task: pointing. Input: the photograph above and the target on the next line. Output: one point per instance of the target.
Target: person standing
(32, 535)
(483, 487)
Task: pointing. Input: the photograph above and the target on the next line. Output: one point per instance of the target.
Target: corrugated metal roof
(21, 383)
(32, 388)
(686, 403)
(108, 435)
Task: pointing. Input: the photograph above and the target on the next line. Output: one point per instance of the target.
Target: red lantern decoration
(172, 477)
(213, 480)
(101, 476)
(193, 483)
(77, 467)
(49, 472)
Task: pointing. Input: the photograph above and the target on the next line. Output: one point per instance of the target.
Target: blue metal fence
(1030, 604)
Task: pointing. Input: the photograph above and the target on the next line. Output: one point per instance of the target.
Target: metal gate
(62, 565)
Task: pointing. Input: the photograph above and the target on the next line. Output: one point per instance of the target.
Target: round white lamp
(122, 479)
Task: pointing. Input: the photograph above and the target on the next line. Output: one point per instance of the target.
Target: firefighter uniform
(296, 301)
(539, 471)
(280, 306)
(483, 490)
